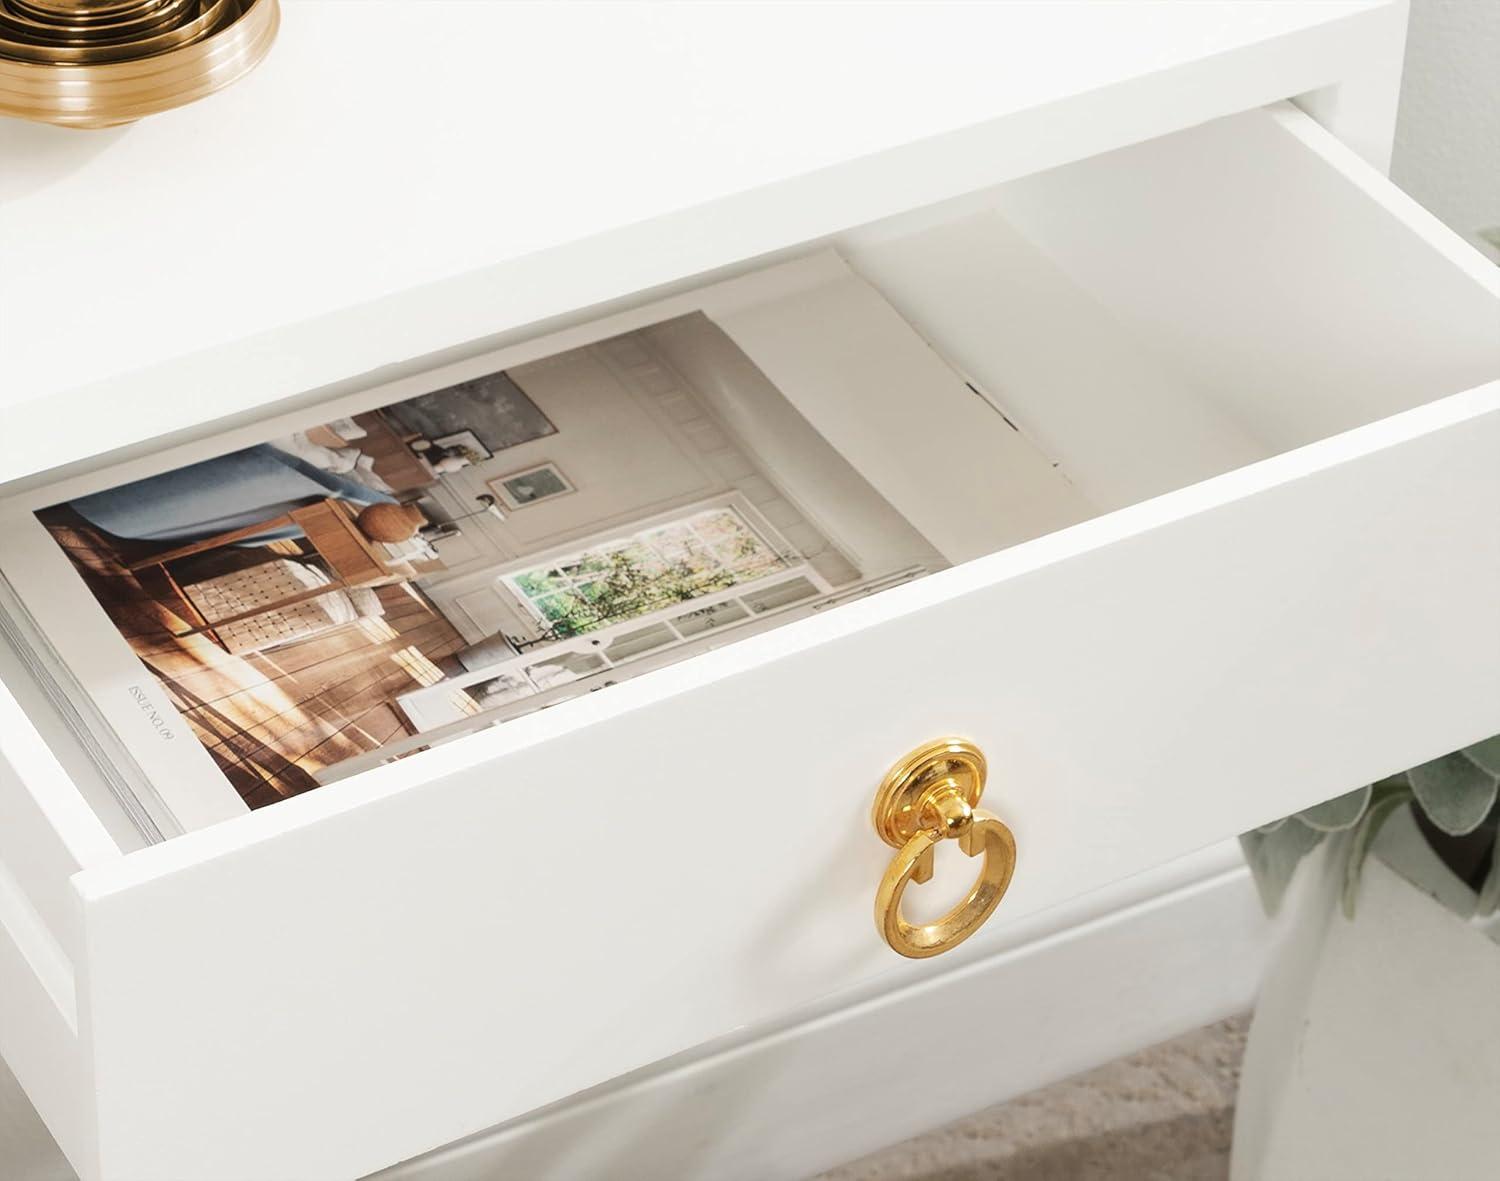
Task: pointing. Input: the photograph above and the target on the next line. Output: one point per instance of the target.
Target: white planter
(1375, 1048)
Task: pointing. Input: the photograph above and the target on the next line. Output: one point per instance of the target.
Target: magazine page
(262, 612)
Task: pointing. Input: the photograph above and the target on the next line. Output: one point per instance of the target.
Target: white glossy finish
(1152, 686)
(455, 180)
(46, 834)
(1125, 967)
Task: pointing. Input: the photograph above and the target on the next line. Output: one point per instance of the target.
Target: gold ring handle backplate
(930, 796)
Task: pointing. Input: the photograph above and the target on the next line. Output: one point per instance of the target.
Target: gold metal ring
(97, 63)
(926, 798)
(986, 833)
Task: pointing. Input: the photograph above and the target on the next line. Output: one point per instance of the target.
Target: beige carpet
(1164, 1114)
(1161, 1115)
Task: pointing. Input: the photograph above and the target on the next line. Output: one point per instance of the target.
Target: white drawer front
(586, 890)
(1163, 954)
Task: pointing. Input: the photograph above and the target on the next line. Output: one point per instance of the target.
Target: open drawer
(1201, 430)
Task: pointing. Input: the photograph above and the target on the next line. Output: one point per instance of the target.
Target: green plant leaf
(1339, 813)
(1384, 801)
(1486, 754)
(1455, 792)
(1274, 856)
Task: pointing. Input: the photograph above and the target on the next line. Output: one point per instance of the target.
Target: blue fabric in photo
(219, 495)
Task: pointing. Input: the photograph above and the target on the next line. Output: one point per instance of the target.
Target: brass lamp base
(98, 63)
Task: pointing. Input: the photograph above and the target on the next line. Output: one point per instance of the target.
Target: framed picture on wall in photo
(492, 407)
(468, 443)
(542, 482)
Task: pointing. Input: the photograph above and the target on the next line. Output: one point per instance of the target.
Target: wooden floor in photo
(271, 720)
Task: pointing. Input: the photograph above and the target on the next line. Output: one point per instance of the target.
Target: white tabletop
(387, 145)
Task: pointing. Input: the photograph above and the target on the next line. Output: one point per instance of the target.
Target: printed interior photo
(316, 603)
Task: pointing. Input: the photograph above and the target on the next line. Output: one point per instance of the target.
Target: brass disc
(906, 786)
(98, 63)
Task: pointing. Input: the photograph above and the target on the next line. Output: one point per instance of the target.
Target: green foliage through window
(709, 550)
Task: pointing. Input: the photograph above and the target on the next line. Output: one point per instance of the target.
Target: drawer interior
(915, 394)
(1176, 309)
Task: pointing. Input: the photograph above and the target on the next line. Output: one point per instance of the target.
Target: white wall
(625, 461)
(1447, 152)
(813, 477)
(636, 439)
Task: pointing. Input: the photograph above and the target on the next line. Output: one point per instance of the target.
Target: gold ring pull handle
(930, 796)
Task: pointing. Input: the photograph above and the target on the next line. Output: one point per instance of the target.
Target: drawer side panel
(45, 838)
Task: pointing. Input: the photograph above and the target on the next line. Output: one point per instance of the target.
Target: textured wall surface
(1448, 130)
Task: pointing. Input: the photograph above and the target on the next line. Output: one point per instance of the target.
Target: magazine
(259, 613)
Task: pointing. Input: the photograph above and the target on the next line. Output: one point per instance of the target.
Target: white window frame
(736, 501)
